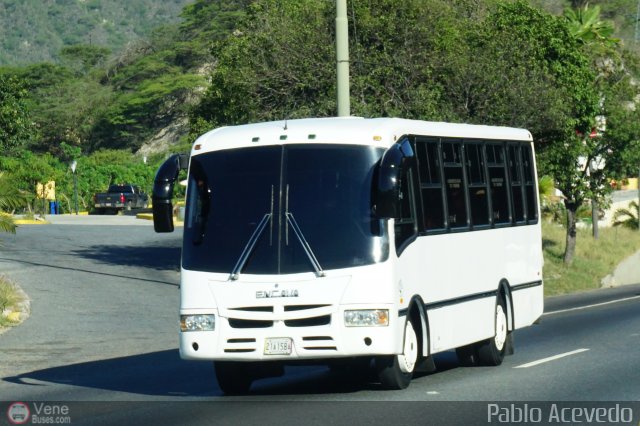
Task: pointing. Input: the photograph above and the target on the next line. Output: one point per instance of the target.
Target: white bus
(357, 241)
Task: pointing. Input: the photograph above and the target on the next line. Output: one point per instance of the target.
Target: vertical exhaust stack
(342, 55)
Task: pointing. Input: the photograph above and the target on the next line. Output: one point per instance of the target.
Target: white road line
(551, 358)
(591, 306)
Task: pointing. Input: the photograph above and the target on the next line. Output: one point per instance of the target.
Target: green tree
(27, 171)
(10, 198)
(502, 67)
(68, 111)
(584, 168)
(83, 58)
(629, 217)
(265, 69)
(16, 128)
(585, 25)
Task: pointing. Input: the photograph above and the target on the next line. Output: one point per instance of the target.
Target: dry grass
(9, 299)
(594, 259)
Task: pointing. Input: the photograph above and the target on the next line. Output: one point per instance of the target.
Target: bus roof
(381, 132)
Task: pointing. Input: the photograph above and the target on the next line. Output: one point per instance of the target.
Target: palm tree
(586, 26)
(10, 198)
(628, 218)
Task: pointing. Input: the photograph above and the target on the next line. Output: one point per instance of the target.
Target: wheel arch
(504, 291)
(418, 314)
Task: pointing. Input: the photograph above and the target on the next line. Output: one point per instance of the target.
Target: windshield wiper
(248, 248)
(305, 245)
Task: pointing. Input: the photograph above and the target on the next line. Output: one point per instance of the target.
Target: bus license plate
(277, 346)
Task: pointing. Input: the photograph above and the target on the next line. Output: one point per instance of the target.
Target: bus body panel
(456, 275)
(528, 305)
(458, 293)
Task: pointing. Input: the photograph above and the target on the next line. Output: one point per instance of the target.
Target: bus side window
(405, 226)
(530, 184)
(454, 178)
(477, 179)
(498, 183)
(430, 184)
(517, 195)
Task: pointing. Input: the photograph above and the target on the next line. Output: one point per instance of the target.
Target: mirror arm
(163, 184)
(393, 163)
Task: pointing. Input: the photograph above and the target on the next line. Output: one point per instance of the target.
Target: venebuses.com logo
(18, 413)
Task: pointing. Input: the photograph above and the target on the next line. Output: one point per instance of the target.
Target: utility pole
(73, 166)
(342, 55)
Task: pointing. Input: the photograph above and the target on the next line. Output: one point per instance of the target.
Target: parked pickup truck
(120, 197)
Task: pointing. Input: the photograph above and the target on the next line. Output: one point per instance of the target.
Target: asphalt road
(103, 328)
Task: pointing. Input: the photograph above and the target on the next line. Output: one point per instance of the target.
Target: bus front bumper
(287, 340)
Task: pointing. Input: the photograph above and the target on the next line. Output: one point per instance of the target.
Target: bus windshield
(254, 209)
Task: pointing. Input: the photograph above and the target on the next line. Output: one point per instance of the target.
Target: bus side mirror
(163, 184)
(393, 164)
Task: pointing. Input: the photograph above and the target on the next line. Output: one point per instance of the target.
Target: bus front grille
(309, 322)
(245, 323)
(319, 343)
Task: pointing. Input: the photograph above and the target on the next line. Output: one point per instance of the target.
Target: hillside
(36, 30)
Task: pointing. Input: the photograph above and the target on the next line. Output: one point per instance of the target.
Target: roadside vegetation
(594, 259)
(10, 299)
(628, 218)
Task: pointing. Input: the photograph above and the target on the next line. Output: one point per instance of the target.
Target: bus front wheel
(396, 371)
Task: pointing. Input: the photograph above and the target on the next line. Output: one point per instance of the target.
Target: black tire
(234, 378)
(468, 355)
(396, 371)
(352, 370)
(492, 351)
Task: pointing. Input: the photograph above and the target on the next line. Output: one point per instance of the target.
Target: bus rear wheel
(396, 371)
(492, 351)
(234, 378)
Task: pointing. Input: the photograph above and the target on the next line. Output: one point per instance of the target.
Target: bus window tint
(530, 184)
(498, 183)
(430, 183)
(517, 195)
(477, 184)
(405, 226)
(454, 179)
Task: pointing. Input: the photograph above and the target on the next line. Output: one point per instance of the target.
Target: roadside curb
(30, 222)
(41, 220)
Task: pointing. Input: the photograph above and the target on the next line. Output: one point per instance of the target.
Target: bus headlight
(366, 318)
(197, 322)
